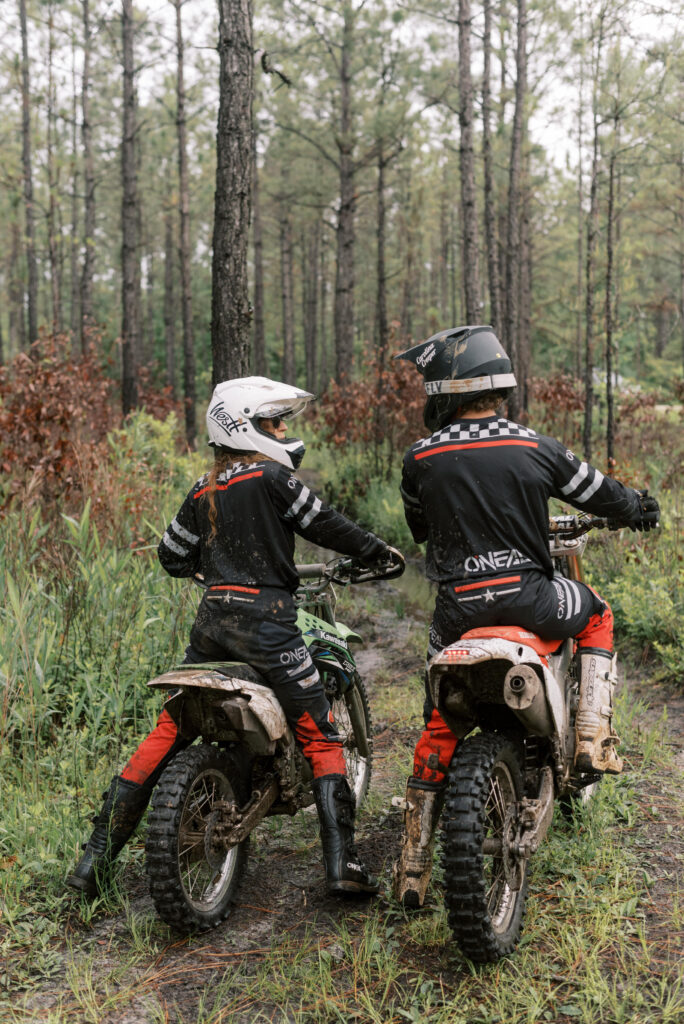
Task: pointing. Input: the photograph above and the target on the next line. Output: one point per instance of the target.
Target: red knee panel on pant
(598, 632)
(434, 750)
(324, 755)
(152, 750)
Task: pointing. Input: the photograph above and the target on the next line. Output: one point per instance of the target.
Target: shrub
(642, 576)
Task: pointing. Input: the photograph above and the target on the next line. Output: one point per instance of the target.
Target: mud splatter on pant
(261, 631)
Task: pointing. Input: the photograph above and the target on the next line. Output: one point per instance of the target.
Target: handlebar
(345, 570)
(571, 527)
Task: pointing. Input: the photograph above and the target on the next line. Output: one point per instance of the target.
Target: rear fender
(225, 707)
(453, 684)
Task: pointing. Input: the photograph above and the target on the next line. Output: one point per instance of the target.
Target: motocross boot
(345, 875)
(124, 805)
(413, 870)
(594, 737)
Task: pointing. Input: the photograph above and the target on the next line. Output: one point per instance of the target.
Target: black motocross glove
(376, 554)
(648, 516)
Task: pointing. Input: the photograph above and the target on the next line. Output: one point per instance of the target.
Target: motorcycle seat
(518, 635)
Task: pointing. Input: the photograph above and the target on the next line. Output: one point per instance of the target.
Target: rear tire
(351, 712)
(193, 879)
(485, 892)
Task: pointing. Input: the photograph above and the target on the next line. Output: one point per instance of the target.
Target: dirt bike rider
(237, 528)
(477, 491)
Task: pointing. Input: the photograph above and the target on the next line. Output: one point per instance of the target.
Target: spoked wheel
(353, 722)
(485, 881)
(193, 877)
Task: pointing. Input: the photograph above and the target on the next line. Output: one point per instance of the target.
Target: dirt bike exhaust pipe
(524, 694)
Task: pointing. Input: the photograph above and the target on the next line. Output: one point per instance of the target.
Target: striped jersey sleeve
(586, 488)
(179, 548)
(317, 522)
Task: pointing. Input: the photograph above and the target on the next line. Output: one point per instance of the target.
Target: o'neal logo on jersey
(493, 560)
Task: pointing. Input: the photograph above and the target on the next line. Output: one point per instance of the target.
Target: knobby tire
(485, 914)
(178, 851)
(354, 724)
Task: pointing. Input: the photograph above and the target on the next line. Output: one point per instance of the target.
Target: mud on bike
(247, 766)
(521, 692)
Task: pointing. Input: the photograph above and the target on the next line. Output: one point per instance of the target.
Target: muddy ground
(283, 900)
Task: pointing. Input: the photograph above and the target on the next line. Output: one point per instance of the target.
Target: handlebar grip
(311, 570)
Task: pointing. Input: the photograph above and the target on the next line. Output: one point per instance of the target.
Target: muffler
(524, 694)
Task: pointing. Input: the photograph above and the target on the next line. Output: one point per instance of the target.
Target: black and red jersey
(477, 491)
(260, 507)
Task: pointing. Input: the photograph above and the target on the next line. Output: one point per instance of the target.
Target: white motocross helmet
(237, 406)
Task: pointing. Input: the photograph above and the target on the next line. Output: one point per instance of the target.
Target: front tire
(351, 712)
(193, 878)
(485, 883)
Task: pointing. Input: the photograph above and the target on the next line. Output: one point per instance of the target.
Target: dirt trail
(283, 900)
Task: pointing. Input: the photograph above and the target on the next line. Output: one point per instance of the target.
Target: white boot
(594, 737)
(413, 870)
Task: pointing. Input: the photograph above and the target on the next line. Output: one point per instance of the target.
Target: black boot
(345, 875)
(124, 805)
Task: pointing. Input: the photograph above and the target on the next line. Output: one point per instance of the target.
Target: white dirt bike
(247, 766)
(522, 692)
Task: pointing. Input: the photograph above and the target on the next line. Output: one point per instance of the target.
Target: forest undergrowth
(88, 615)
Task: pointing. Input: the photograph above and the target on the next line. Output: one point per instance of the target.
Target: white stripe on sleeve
(177, 549)
(184, 534)
(311, 514)
(577, 479)
(592, 488)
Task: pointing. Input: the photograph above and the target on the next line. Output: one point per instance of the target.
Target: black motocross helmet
(458, 365)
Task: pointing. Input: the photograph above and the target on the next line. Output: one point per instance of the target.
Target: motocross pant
(554, 609)
(261, 630)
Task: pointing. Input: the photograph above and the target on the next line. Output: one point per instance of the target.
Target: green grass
(85, 621)
(589, 953)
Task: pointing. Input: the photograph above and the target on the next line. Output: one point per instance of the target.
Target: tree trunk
(130, 260)
(381, 321)
(408, 290)
(88, 270)
(169, 302)
(29, 214)
(525, 315)
(445, 247)
(592, 231)
(471, 278)
(231, 313)
(189, 392)
(610, 423)
(310, 255)
(74, 317)
(287, 292)
(491, 240)
(681, 250)
(580, 200)
(258, 240)
(52, 227)
(17, 320)
(324, 371)
(149, 339)
(513, 220)
(344, 280)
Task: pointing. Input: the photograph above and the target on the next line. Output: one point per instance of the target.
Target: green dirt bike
(247, 765)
